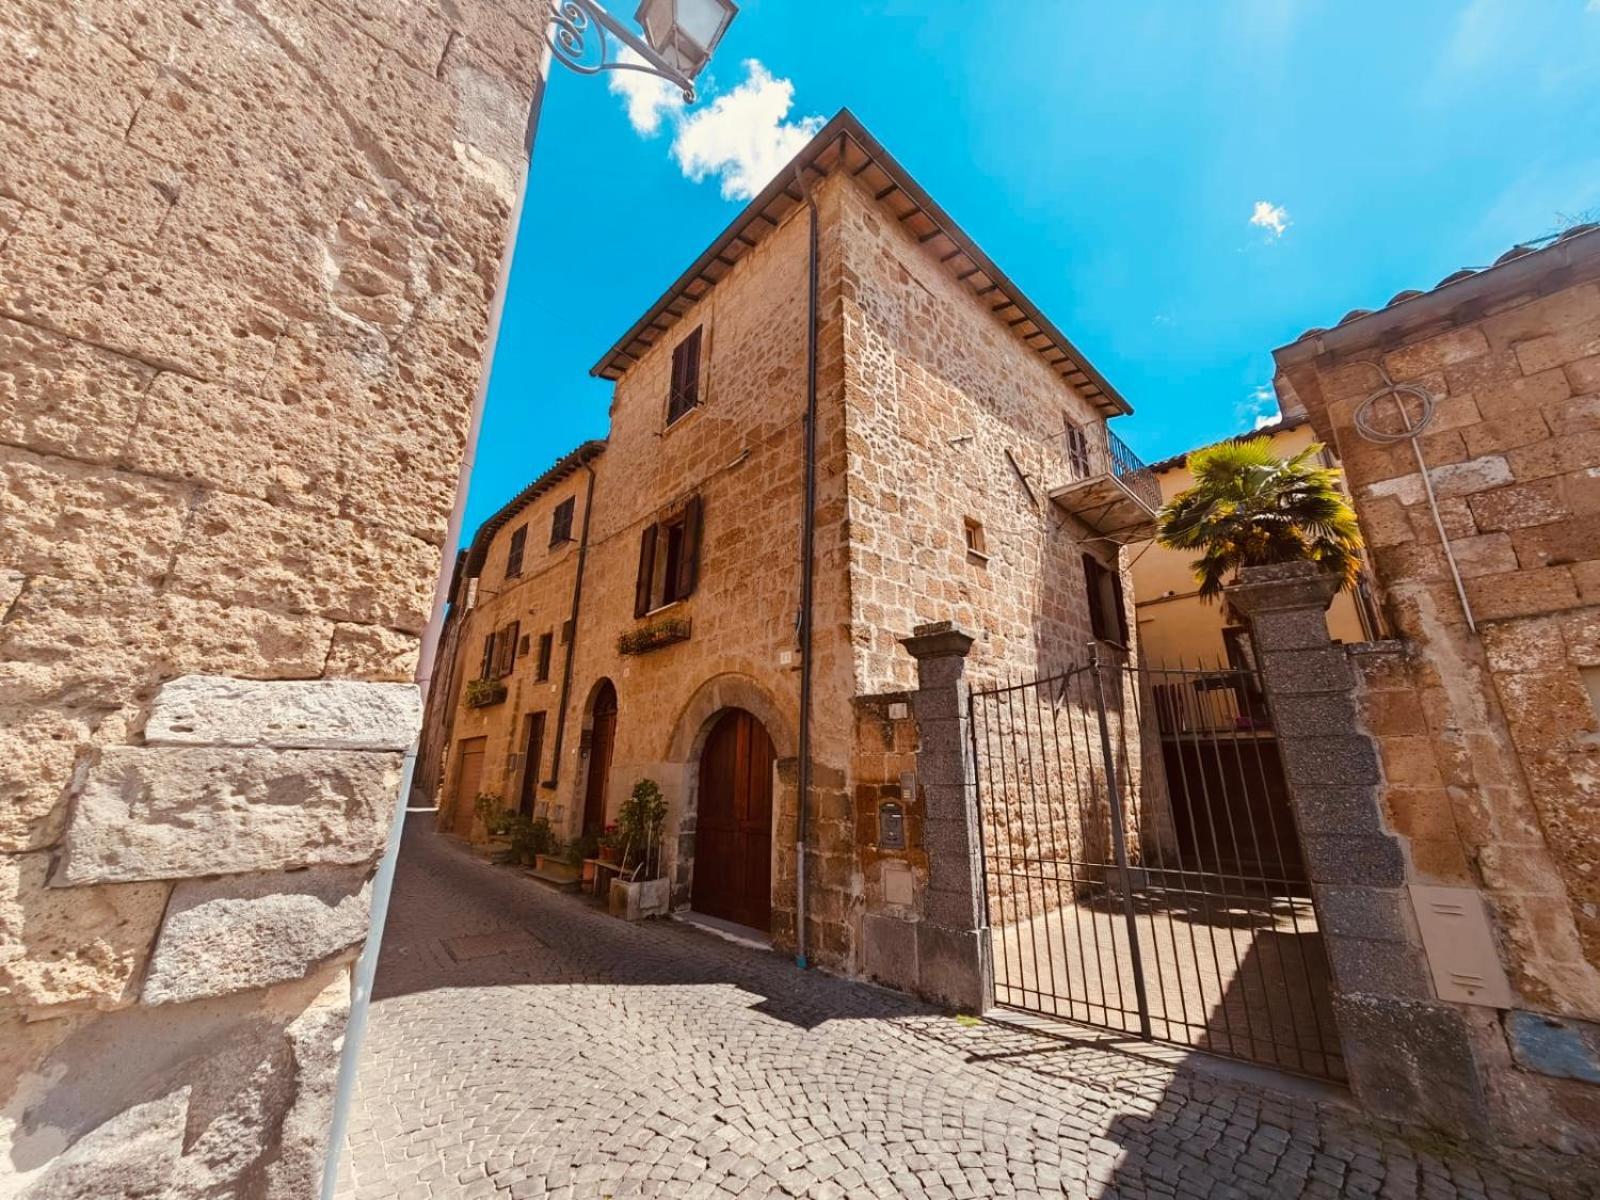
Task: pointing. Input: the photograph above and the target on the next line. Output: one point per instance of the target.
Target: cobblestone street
(525, 1044)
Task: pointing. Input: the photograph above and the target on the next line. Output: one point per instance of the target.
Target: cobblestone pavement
(525, 1044)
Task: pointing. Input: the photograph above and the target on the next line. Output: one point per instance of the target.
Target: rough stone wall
(247, 252)
(741, 451)
(1489, 740)
(539, 600)
(936, 391)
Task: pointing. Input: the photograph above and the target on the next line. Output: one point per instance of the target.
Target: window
(561, 522)
(505, 653)
(519, 539)
(543, 671)
(1077, 444)
(685, 393)
(499, 652)
(974, 534)
(1107, 620)
(669, 560)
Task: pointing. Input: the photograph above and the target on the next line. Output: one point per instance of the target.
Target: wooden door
(733, 823)
(469, 781)
(602, 739)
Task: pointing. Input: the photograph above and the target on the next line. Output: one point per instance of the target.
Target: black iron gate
(1142, 868)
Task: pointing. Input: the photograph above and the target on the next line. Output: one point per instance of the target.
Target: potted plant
(642, 889)
(481, 693)
(495, 819)
(609, 845)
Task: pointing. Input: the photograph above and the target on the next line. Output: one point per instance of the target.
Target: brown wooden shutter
(1091, 588)
(647, 568)
(486, 668)
(1121, 615)
(513, 636)
(691, 370)
(689, 555)
(685, 385)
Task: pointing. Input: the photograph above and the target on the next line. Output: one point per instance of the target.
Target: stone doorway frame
(688, 740)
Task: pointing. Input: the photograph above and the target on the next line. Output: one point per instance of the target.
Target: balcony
(1104, 485)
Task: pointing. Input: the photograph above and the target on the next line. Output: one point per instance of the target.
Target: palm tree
(1249, 507)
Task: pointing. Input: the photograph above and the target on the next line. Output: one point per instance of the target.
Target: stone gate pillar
(1409, 1056)
(943, 954)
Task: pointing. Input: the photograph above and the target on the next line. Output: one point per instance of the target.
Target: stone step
(563, 879)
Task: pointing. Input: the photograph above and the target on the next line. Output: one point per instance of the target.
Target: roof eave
(844, 127)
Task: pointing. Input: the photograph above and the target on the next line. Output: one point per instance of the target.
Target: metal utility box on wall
(1460, 946)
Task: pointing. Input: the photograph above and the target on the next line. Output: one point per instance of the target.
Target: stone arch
(729, 690)
(689, 733)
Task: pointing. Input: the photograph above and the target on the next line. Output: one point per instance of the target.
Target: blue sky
(1110, 157)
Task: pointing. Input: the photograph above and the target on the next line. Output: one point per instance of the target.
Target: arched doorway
(733, 823)
(602, 738)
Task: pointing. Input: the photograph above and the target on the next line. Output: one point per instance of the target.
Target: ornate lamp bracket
(582, 40)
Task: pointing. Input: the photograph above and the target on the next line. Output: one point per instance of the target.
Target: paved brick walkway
(524, 1044)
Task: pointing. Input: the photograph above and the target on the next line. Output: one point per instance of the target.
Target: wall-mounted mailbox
(891, 826)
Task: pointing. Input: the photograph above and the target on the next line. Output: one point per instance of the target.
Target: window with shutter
(486, 668)
(669, 559)
(545, 642)
(685, 393)
(507, 643)
(519, 540)
(1077, 450)
(561, 522)
(1107, 619)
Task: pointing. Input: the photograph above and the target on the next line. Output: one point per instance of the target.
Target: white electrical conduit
(1408, 431)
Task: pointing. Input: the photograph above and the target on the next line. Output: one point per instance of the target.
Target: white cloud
(647, 97)
(745, 135)
(741, 138)
(1260, 409)
(1272, 217)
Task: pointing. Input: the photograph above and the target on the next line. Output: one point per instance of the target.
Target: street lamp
(679, 37)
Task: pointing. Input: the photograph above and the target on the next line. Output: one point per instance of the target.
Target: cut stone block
(335, 714)
(242, 932)
(172, 812)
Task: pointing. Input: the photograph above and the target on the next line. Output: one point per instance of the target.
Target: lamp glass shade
(685, 32)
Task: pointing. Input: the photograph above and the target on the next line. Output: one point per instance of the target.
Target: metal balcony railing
(1096, 452)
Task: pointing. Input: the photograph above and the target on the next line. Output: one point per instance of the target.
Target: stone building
(1481, 969)
(1175, 625)
(962, 475)
(247, 256)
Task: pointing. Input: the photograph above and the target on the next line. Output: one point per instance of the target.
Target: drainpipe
(572, 626)
(808, 522)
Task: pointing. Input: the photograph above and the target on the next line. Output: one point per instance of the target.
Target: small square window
(973, 531)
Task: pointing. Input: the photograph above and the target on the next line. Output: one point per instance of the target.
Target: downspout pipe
(572, 627)
(808, 523)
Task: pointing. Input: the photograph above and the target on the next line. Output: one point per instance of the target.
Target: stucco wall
(246, 258)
